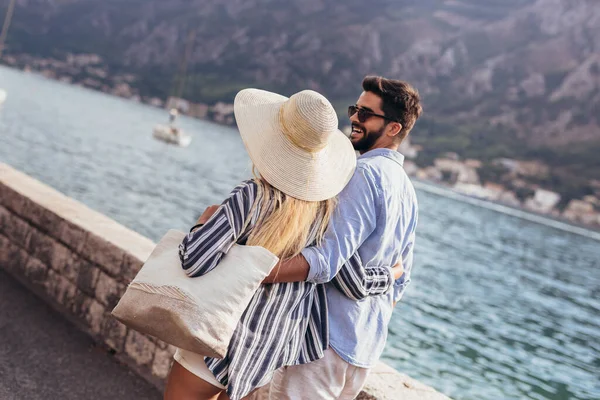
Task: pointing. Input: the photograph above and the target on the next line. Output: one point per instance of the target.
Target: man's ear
(394, 129)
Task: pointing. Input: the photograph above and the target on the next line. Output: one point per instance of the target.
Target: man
(375, 218)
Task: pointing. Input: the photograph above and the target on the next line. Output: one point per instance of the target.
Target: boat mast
(5, 26)
(186, 56)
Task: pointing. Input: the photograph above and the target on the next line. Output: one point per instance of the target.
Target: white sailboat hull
(165, 133)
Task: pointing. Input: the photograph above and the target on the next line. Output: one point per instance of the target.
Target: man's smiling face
(365, 135)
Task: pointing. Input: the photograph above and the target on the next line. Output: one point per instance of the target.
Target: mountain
(513, 78)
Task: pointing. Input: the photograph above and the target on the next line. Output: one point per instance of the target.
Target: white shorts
(330, 378)
(195, 364)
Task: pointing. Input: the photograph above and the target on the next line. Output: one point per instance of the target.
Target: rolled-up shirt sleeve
(354, 219)
(357, 282)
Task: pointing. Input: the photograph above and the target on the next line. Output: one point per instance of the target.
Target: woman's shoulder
(246, 191)
(240, 203)
(247, 187)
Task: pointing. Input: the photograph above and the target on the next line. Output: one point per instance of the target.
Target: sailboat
(171, 133)
(7, 19)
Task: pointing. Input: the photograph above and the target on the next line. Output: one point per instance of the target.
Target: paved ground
(44, 357)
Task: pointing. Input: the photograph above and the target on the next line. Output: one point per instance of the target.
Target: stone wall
(80, 261)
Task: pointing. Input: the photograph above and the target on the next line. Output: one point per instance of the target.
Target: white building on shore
(543, 201)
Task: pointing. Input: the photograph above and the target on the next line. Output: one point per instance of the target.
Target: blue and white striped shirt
(285, 323)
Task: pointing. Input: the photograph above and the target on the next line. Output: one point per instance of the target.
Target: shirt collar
(391, 154)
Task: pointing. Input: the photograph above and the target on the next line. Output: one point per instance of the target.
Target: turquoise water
(500, 307)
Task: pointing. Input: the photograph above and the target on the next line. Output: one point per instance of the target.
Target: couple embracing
(343, 228)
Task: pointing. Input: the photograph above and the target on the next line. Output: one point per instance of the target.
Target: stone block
(161, 345)
(40, 246)
(60, 289)
(46, 220)
(108, 290)
(48, 250)
(6, 247)
(100, 251)
(87, 277)
(140, 348)
(4, 218)
(70, 269)
(164, 346)
(365, 396)
(95, 316)
(385, 383)
(61, 257)
(163, 358)
(72, 235)
(81, 305)
(16, 229)
(14, 259)
(36, 272)
(114, 332)
(12, 199)
(131, 266)
(171, 349)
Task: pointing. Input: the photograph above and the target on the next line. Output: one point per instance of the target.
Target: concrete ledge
(385, 383)
(80, 262)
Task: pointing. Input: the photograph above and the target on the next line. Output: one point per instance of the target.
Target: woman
(302, 162)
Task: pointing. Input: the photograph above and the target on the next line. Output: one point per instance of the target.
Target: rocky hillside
(500, 77)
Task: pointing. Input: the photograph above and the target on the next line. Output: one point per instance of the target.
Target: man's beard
(368, 140)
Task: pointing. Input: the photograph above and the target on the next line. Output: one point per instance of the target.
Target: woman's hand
(398, 271)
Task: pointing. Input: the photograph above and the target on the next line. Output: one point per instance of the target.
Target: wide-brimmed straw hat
(295, 143)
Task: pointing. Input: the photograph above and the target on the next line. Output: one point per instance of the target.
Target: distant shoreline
(543, 219)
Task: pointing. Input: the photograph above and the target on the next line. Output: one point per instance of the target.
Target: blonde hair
(286, 225)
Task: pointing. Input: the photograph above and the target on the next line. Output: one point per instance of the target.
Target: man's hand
(273, 274)
(398, 270)
(291, 270)
(210, 210)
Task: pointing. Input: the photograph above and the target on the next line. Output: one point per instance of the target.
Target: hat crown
(308, 120)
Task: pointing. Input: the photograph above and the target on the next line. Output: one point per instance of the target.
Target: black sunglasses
(364, 115)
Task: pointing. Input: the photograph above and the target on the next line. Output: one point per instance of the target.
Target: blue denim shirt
(376, 217)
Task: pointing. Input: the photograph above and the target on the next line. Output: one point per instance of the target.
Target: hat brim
(296, 172)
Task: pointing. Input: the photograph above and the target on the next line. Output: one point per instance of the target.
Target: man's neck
(391, 146)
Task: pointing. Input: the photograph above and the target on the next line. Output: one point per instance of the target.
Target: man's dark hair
(399, 101)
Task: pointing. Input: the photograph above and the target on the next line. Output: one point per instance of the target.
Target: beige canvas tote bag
(197, 314)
